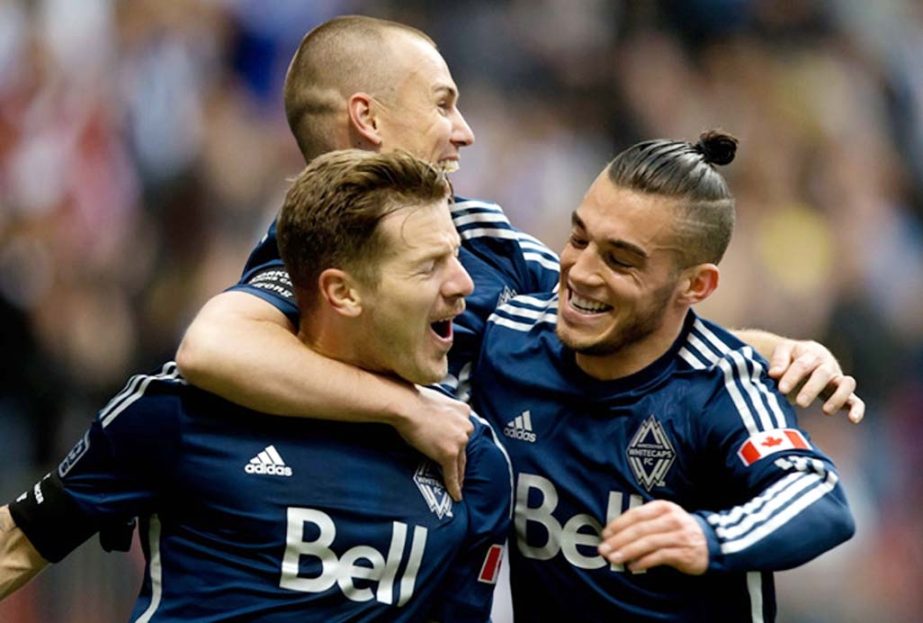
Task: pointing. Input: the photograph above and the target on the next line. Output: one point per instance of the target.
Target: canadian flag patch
(769, 442)
(490, 570)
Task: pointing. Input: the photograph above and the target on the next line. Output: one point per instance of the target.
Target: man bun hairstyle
(330, 215)
(717, 148)
(686, 172)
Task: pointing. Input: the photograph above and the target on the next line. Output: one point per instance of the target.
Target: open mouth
(442, 328)
(449, 166)
(587, 306)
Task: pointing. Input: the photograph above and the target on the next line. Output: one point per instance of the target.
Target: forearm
(762, 342)
(261, 364)
(19, 561)
(786, 525)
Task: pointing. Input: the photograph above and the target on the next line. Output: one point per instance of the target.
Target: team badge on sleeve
(769, 442)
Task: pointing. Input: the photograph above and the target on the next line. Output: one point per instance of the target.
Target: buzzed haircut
(342, 56)
(331, 213)
(704, 218)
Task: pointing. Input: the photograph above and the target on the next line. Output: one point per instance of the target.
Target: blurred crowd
(143, 151)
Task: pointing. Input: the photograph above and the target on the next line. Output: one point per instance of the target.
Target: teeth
(588, 305)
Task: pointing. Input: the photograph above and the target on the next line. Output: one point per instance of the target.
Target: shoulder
(478, 220)
(728, 376)
(488, 460)
(527, 314)
(143, 396)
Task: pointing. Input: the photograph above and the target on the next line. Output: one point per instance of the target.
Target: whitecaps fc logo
(430, 485)
(650, 454)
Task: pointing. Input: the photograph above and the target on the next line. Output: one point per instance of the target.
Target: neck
(326, 336)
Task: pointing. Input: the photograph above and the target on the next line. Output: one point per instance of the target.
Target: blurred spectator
(143, 150)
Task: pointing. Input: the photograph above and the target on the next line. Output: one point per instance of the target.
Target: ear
(363, 119)
(340, 292)
(698, 283)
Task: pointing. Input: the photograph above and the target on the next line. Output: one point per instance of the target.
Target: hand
(806, 370)
(654, 534)
(439, 427)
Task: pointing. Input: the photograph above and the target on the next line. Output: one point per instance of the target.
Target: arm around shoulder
(245, 350)
(19, 560)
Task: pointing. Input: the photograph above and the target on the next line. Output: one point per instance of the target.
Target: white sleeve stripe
(155, 570)
(544, 262)
(691, 359)
(703, 348)
(525, 299)
(781, 499)
(521, 313)
(742, 409)
(710, 336)
(469, 204)
(739, 512)
(747, 385)
(781, 518)
(525, 327)
(509, 464)
(134, 390)
(481, 217)
(129, 389)
(755, 589)
(770, 397)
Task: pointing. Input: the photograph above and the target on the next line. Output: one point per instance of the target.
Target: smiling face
(619, 280)
(405, 326)
(421, 114)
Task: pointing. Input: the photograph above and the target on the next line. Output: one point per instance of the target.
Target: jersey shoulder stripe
(480, 219)
(135, 389)
(743, 371)
(524, 312)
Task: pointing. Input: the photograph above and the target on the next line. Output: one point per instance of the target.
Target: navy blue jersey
(703, 426)
(251, 517)
(501, 260)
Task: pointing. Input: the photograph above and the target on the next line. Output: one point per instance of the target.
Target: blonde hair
(331, 213)
(340, 57)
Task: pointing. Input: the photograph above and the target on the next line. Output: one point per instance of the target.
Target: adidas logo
(520, 428)
(268, 462)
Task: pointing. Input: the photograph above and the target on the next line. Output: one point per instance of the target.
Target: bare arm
(245, 350)
(806, 370)
(19, 562)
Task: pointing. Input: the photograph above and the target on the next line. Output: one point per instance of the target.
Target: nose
(459, 283)
(462, 134)
(581, 266)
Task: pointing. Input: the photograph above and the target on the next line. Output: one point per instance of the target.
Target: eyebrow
(617, 243)
(449, 90)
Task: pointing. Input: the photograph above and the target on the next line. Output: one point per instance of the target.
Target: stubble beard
(643, 323)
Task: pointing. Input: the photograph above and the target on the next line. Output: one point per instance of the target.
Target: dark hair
(331, 213)
(686, 172)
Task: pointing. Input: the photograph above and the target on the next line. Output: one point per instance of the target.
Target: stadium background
(143, 150)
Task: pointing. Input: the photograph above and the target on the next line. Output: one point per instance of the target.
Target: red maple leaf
(772, 441)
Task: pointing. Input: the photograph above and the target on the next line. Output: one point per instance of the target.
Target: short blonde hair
(331, 213)
(342, 56)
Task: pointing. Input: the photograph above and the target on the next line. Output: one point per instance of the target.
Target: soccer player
(250, 518)
(379, 85)
(660, 475)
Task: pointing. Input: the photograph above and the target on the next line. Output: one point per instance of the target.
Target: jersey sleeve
(265, 277)
(529, 265)
(467, 592)
(108, 478)
(791, 506)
